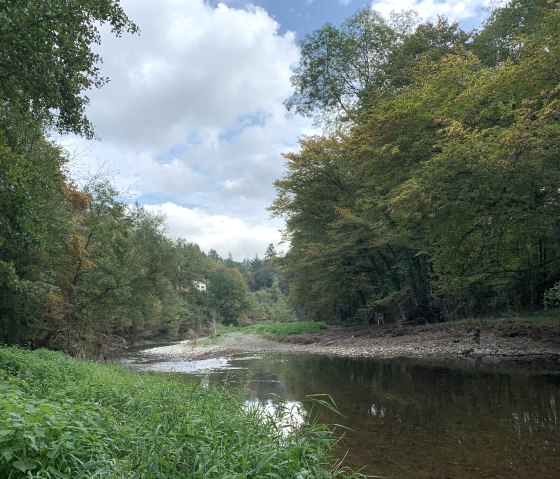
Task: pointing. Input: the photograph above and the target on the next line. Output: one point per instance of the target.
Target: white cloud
(193, 120)
(222, 233)
(430, 9)
(193, 66)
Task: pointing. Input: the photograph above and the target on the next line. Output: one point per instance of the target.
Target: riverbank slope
(495, 341)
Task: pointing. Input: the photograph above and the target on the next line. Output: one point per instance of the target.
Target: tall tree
(228, 295)
(503, 34)
(440, 199)
(46, 58)
(339, 68)
(34, 232)
(431, 39)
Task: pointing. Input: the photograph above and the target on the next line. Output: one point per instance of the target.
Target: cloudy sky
(192, 122)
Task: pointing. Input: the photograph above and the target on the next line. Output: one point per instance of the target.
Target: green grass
(61, 418)
(277, 329)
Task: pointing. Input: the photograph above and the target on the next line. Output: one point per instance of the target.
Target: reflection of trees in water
(413, 417)
(288, 415)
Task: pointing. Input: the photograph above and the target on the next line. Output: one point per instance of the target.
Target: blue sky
(302, 16)
(192, 123)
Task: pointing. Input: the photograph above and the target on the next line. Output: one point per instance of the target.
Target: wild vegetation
(433, 193)
(81, 269)
(64, 418)
(278, 329)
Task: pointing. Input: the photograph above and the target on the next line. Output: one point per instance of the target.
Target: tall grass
(279, 329)
(61, 418)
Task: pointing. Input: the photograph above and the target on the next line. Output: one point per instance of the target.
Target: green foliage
(503, 34)
(442, 198)
(82, 271)
(552, 296)
(62, 418)
(430, 40)
(275, 304)
(339, 67)
(34, 228)
(228, 295)
(46, 57)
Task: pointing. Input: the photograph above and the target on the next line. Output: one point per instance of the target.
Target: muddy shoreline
(528, 345)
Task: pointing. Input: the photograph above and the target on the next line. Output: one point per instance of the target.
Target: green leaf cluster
(440, 198)
(81, 270)
(47, 63)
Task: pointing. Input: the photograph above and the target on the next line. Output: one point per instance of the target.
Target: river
(407, 419)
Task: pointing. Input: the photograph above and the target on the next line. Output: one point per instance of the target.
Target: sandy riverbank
(489, 342)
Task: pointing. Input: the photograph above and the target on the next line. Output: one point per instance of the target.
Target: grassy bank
(277, 329)
(61, 418)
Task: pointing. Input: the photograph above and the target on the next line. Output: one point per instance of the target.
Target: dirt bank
(507, 341)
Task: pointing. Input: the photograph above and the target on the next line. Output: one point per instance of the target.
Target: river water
(408, 419)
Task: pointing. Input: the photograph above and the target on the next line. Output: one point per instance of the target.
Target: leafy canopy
(46, 58)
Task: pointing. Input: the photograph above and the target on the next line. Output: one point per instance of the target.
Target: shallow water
(409, 419)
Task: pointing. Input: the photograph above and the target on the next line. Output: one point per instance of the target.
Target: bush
(552, 296)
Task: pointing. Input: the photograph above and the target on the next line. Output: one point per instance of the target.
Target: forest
(82, 269)
(433, 191)
(431, 194)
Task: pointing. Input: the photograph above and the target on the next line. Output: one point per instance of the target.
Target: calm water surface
(410, 420)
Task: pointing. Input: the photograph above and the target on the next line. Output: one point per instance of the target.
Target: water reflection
(287, 415)
(185, 366)
(413, 420)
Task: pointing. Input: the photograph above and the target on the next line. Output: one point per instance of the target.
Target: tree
(34, 232)
(442, 198)
(340, 68)
(432, 40)
(117, 280)
(228, 295)
(214, 256)
(270, 253)
(486, 199)
(46, 58)
(504, 32)
(317, 184)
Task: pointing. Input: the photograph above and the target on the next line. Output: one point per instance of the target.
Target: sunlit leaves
(450, 199)
(46, 58)
(340, 66)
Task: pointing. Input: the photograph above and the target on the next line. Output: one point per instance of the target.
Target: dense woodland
(80, 268)
(433, 192)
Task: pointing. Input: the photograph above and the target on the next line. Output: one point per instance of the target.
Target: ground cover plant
(61, 418)
(278, 329)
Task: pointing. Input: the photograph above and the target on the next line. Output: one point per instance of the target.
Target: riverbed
(404, 418)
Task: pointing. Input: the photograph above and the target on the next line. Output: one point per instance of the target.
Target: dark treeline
(434, 192)
(80, 270)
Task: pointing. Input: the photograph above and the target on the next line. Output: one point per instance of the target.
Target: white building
(199, 286)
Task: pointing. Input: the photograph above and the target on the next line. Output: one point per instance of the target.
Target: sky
(192, 122)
